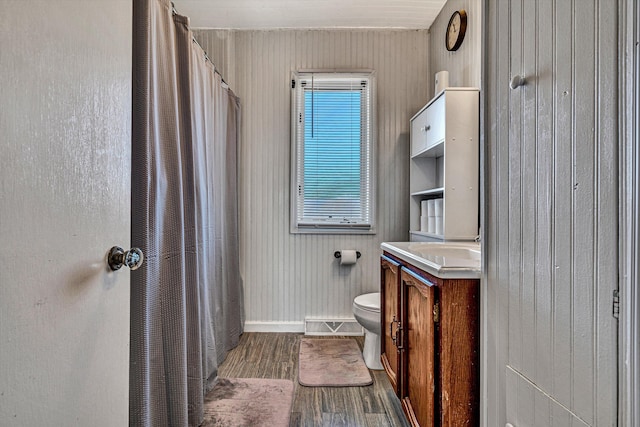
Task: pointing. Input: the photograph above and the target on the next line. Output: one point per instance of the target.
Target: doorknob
(118, 257)
(517, 81)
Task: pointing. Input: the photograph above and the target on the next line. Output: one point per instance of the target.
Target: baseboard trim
(297, 327)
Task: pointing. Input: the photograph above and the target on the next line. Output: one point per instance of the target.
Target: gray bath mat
(332, 363)
(240, 402)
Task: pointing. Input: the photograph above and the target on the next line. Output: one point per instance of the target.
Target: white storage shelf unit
(445, 163)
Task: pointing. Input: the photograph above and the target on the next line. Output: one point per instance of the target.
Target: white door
(551, 242)
(65, 118)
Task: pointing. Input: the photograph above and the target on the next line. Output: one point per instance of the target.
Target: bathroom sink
(447, 254)
(447, 260)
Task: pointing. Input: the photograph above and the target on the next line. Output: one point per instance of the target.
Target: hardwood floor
(275, 355)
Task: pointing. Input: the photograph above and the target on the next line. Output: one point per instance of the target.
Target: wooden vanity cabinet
(390, 296)
(438, 348)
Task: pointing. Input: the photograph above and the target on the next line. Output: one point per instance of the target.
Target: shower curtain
(186, 300)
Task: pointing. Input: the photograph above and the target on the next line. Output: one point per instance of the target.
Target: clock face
(456, 30)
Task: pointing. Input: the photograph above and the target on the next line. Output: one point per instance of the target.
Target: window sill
(324, 229)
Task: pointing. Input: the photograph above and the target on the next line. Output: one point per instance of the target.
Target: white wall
(291, 276)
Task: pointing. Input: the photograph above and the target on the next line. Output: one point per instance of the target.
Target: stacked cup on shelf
(431, 216)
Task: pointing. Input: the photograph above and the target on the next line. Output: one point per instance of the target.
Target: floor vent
(346, 327)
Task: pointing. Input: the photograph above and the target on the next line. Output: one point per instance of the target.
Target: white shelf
(436, 150)
(431, 192)
(445, 149)
(425, 234)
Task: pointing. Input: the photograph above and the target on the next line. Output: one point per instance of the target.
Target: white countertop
(447, 260)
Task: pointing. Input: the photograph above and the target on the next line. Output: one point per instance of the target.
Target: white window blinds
(332, 143)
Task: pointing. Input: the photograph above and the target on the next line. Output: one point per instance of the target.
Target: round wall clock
(456, 29)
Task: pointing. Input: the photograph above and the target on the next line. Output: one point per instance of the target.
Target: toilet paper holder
(337, 254)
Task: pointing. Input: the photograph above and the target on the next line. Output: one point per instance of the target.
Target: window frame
(322, 226)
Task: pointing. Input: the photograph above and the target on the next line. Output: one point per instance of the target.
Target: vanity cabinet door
(420, 314)
(390, 295)
(458, 349)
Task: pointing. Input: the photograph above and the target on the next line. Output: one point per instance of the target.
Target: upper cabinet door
(552, 213)
(428, 128)
(436, 123)
(419, 133)
(65, 121)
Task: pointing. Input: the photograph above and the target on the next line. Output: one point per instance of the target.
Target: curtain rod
(206, 57)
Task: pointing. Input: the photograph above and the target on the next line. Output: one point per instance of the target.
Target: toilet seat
(368, 302)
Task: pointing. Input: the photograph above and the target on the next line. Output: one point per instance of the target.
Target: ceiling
(270, 14)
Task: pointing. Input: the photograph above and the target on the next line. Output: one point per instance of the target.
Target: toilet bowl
(366, 310)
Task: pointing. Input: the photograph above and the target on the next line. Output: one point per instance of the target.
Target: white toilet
(366, 310)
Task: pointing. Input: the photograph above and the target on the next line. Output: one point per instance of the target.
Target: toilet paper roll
(424, 208)
(439, 229)
(431, 207)
(348, 257)
(437, 207)
(431, 224)
(424, 223)
(442, 81)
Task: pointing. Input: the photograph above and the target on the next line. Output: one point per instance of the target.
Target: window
(332, 143)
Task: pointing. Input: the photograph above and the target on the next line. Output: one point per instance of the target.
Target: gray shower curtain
(186, 300)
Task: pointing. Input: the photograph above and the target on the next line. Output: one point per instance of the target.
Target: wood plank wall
(465, 64)
(288, 277)
(552, 213)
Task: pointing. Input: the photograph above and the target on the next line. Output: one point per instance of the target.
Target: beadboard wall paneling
(464, 64)
(288, 276)
(218, 44)
(552, 213)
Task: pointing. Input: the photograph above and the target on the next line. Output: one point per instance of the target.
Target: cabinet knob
(425, 128)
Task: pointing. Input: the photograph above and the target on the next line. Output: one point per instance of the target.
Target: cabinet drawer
(428, 127)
